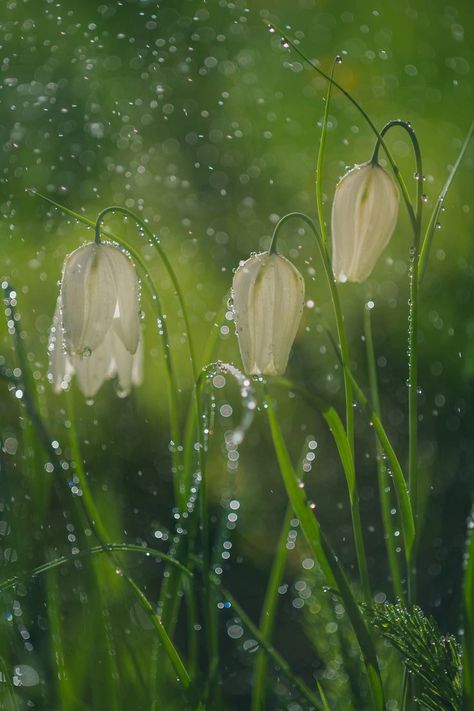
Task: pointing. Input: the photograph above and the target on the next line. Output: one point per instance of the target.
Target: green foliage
(433, 659)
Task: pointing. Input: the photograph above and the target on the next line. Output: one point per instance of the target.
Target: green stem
(320, 159)
(413, 478)
(362, 112)
(383, 479)
(344, 350)
(326, 558)
(267, 616)
(433, 222)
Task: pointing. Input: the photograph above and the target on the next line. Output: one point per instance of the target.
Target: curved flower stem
(341, 332)
(413, 483)
(359, 108)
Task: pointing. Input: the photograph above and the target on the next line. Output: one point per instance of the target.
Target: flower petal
(268, 294)
(364, 215)
(127, 321)
(88, 298)
(94, 368)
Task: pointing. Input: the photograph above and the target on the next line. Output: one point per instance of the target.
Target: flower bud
(96, 328)
(364, 215)
(268, 299)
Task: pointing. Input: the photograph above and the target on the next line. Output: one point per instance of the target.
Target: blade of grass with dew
(406, 512)
(64, 688)
(151, 553)
(171, 651)
(267, 615)
(323, 698)
(270, 603)
(236, 437)
(383, 479)
(267, 646)
(431, 227)
(468, 622)
(344, 355)
(336, 428)
(327, 560)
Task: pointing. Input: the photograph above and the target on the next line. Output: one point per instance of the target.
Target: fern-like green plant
(433, 659)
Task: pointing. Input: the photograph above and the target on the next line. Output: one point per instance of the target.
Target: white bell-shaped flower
(364, 215)
(96, 330)
(268, 299)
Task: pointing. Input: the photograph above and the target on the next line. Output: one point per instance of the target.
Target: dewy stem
(344, 349)
(383, 478)
(359, 108)
(413, 483)
(341, 332)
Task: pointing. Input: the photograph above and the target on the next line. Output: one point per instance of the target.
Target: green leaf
(326, 558)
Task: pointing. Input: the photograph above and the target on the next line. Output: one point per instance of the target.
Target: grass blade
(383, 478)
(328, 562)
(431, 228)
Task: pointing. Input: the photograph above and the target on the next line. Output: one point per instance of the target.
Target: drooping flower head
(268, 299)
(364, 215)
(96, 330)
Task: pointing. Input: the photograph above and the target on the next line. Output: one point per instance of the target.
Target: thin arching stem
(359, 108)
(344, 350)
(341, 331)
(413, 483)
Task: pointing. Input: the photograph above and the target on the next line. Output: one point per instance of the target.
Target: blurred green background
(194, 115)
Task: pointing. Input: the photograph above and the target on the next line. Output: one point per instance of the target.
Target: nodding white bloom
(268, 299)
(364, 215)
(96, 330)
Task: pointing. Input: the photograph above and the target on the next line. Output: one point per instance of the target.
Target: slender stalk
(362, 112)
(327, 560)
(267, 615)
(383, 479)
(344, 352)
(413, 479)
(433, 221)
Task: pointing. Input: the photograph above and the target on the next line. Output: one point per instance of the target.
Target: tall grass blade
(328, 562)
